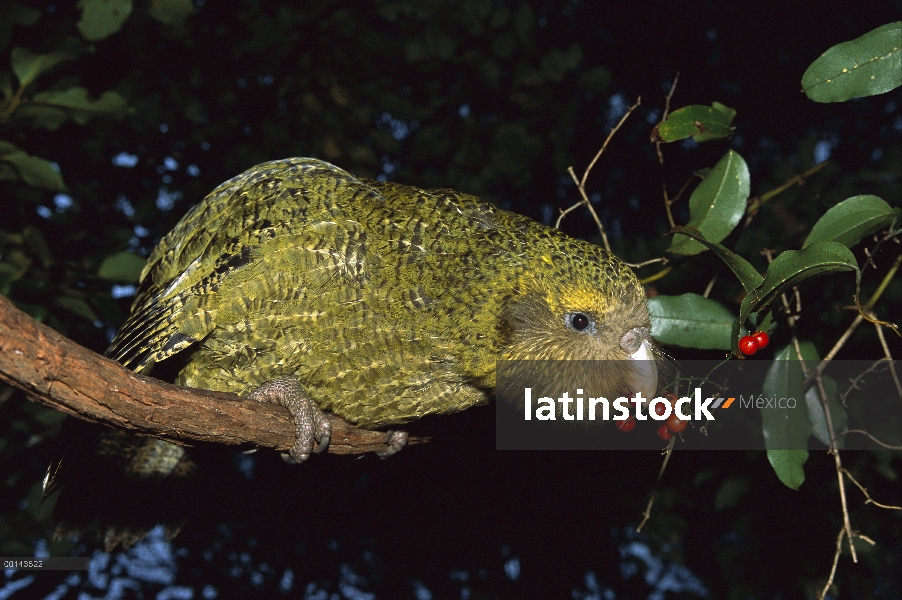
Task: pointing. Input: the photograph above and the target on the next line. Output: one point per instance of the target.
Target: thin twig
(604, 146)
(656, 276)
(889, 357)
(661, 259)
(668, 452)
(854, 382)
(710, 286)
(668, 202)
(647, 513)
(756, 203)
(581, 184)
(585, 201)
(827, 587)
(834, 449)
(867, 495)
(865, 310)
(865, 433)
(664, 118)
(835, 349)
(862, 315)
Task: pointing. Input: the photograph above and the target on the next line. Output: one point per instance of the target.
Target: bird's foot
(310, 422)
(395, 440)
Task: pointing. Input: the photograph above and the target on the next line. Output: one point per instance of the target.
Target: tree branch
(55, 371)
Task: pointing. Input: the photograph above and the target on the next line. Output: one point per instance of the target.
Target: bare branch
(651, 261)
(867, 495)
(664, 118)
(889, 357)
(829, 584)
(581, 184)
(57, 372)
(865, 433)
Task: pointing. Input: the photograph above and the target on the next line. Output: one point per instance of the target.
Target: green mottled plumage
(387, 302)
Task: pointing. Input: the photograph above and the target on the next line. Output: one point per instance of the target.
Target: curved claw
(324, 435)
(311, 424)
(396, 440)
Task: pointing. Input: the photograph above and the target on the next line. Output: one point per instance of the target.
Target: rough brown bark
(54, 370)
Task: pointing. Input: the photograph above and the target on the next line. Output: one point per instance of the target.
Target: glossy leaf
(743, 269)
(102, 18)
(699, 122)
(16, 164)
(717, 204)
(792, 267)
(122, 266)
(786, 430)
(851, 221)
(28, 65)
(690, 321)
(865, 66)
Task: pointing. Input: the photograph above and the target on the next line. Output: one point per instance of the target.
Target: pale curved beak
(637, 344)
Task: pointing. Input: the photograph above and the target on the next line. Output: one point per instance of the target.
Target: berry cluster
(671, 426)
(750, 344)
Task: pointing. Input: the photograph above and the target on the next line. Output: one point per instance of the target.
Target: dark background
(495, 99)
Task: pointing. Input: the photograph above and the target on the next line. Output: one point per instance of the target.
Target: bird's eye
(579, 321)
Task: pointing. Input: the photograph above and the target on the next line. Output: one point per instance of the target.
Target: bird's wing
(212, 264)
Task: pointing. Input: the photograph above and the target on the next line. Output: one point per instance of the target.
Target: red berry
(762, 338)
(675, 424)
(664, 433)
(660, 409)
(627, 425)
(671, 397)
(748, 345)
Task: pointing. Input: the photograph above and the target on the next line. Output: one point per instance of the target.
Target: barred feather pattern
(387, 302)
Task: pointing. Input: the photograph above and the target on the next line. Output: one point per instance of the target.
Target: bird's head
(575, 303)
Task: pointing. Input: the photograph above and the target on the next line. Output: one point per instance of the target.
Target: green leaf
(690, 321)
(717, 204)
(16, 164)
(818, 417)
(171, 12)
(102, 18)
(51, 109)
(789, 466)
(763, 321)
(786, 430)
(702, 123)
(122, 266)
(851, 221)
(866, 66)
(28, 65)
(792, 267)
(743, 269)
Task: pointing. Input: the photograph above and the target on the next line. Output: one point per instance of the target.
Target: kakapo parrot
(299, 283)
